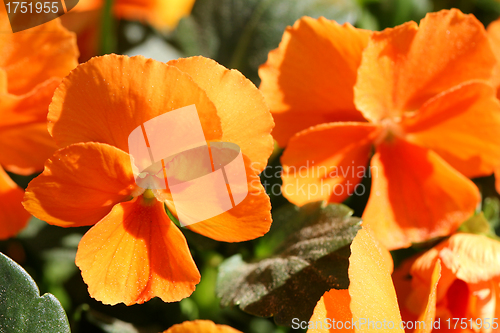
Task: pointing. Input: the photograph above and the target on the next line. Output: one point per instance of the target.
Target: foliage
(309, 254)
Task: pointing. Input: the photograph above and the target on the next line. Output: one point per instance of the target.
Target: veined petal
(415, 195)
(334, 304)
(248, 220)
(309, 78)
(244, 115)
(13, 217)
(462, 126)
(106, 98)
(200, 326)
(405, 66)
(371, 284)
(49, 50)
(470, 258)
(326, 162)
(80, 185)
(136, 253)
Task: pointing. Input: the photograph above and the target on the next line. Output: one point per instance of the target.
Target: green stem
(108, 40)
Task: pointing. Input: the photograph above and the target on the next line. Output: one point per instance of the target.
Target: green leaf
(478, 224)
(21, 307)
(310, 255)
(240, 33)
(491, 209)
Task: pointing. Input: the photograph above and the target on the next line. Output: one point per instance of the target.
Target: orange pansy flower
(427, 107)
(200, 326)
(370, 304)
(85, 18)
(134, 251)
(469, 286)
(32, 64)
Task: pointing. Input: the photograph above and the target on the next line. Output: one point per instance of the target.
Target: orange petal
(429, 313)
(248, 220)
(462, 126)
(85, 20)
(85, 5)
(422, 270)
(405, 66)
(159, 13)
(106, 98)
(326, 162)
(403, 284)
(415, 195)
(244, 115)
(28, 108)
(13, 217)
(309, 78)
(372, 293)
(48, 49)
(136, 253)
(493, 31)
(26, 148)
(334, 304)
(471, 258)
(200, 326)
(80, 185)
(24, 139)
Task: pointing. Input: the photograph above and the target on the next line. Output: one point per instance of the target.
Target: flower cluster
(412, 109)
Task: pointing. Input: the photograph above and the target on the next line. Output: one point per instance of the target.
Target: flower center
(391, 129)
(148, 197)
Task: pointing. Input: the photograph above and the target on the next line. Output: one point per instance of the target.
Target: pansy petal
(429, 313)
(326, 162)
(28, 108)
(250, 219)
(309, 78)
(200, 326)
(415, 195)
(471, 258)
(244, 115)
(371, 284)
(136, 253)
(84, 5)
(106, 98)
(13, 217)
(159, 13)
(334, 304)
(80, 185)
(493, 31)
(40, 53)
(405, 66)
(461, 125)
(26, 148)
